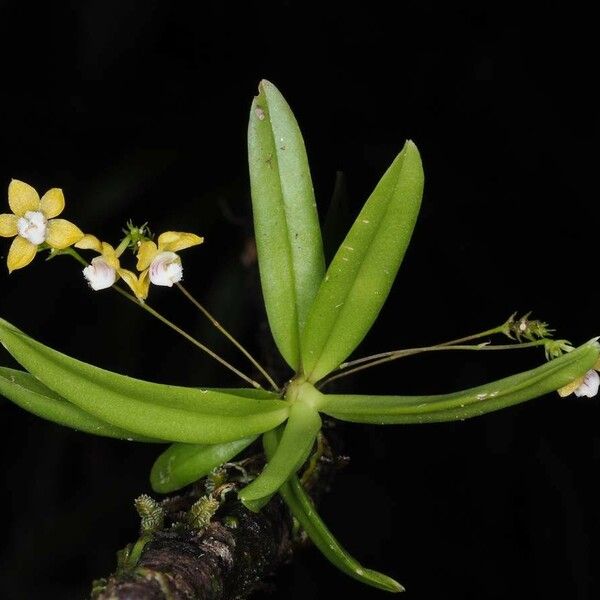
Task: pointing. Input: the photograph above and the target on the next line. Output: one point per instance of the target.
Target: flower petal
(589, 387)
(146, 252)
(22, 197)
(110, 256)
(134, 283)
(8, 225)
(144, 284)
(62, 234)
(52, 203)
(89, 242)
(166, 269)
(99, 274)
(173, 241)
(568, 389)
(21, 253)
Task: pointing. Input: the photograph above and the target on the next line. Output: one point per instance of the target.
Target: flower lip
(589, 386)
(99, 274)
(32, 226)
(166, 269)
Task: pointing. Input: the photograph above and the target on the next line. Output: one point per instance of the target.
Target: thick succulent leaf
(233, 402)
(296, 442)
(182, 464)
(180, 415)
(464, 404)
(361, 274)
(254, 393)
(288, 236)
(302, 508)
(33, 396)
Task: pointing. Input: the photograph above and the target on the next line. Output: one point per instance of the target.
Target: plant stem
(70, 251)
(123, 245)
(73, 253)
(374, 357)
(228, 335)
(187, 336)
(389, 356)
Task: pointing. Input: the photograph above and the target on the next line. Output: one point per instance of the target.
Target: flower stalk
(535, 331)
(228, 335)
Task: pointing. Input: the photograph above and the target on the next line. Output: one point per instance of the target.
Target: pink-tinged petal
(22, 198)
(590, 385)
(8, 225)
(166, 269)
(61, 234)
(146, 252)
(52, 203)
(89, 242)
(21, 253)
(99, 274)
(174, 241)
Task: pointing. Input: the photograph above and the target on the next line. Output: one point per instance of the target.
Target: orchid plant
(318, 315)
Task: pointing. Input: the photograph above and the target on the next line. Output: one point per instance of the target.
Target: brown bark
(229, 558)
(223, 556)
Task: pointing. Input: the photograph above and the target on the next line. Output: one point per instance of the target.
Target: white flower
(586, 385)
(589, 386)
(158, 263)
(100, 274)
(32, 227)
(166, 269)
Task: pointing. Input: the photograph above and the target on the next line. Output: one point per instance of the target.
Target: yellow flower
(32, 222)
(586, 385)
(103, 271)
(160, 264)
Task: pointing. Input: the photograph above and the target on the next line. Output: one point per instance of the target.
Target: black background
(138, 109)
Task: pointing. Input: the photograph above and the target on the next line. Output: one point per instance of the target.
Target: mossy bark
(207, 545)
(229, 558)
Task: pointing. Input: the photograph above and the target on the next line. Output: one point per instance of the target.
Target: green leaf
(302, 508)
(468, 403)
(253, 393)
(296, 442)
(27, 392)
(231, 402)
(362, 272)
(286, 224)
(159, 411)
(182, 464)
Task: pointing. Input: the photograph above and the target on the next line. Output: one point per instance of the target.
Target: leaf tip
(594, 343)
(384, 582)
(410, 146)
(264, 87)
(251, 504)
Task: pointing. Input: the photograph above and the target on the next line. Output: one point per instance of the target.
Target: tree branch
(207, 545)
(216, 562)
